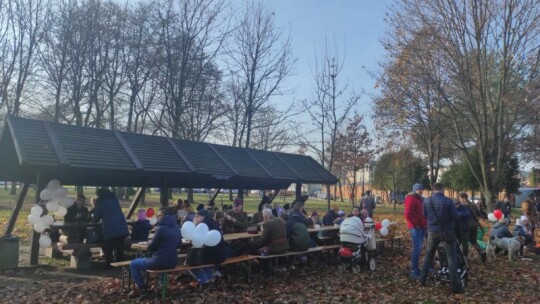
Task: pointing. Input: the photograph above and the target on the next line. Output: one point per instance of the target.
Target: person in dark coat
(330, 218)
(164, 246)
(297, 232)
(441, 216)
(464, 215)
(210, 255)
(141, 228)
(113, 225)
(77, 213)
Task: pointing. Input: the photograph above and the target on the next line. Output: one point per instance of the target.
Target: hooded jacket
(165, 244)
(500, 230)
(414, 211)
(113, 222)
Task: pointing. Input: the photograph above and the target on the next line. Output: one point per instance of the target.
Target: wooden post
(276, 191)
(298, 192)
(34, 242)
(164, 196)
(215, 195)
(136, 199)
(16, 209)
(328, 196)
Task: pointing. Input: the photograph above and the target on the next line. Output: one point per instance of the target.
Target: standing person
(163, 246)
(529, 210)
(473, 224)
(368, 203)
(441, 218)
(464, 215)
(417, 225)
(113, 225)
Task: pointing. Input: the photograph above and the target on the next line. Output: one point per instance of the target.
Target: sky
(356, 25)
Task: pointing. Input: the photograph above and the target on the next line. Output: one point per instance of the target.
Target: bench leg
(126, 276)
(162, 282)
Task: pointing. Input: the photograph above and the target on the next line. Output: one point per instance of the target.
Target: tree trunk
(13, 190)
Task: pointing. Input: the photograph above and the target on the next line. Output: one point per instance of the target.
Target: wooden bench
(126, 273)
(290, 253)
(381, 241)
(162, 280)
(79, 252)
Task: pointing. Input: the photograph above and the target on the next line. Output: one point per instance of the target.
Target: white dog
(509, 244)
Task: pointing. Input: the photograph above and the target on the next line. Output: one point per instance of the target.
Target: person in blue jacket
(113, 225)
(464, 214)
(163, 247)
(442, 218)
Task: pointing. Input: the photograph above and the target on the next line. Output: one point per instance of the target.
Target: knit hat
(203, 212)
(341, 213)
(238, 201)
(417, 187)
(314, 213)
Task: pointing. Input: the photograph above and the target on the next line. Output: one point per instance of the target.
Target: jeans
(417, 235)
(136, 266)
(202, 275)
(433, 241)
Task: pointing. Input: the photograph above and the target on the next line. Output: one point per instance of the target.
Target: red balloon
(378, 226)
(149, 212)
(498, 213)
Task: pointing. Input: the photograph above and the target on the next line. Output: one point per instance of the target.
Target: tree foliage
(481, 59)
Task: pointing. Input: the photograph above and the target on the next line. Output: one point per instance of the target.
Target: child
(141, 228)
(522, 233)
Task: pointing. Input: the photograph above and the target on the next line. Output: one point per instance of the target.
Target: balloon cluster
(382, 227)
(150, 212)
(56, 202)
(200, 235)
(495, 215)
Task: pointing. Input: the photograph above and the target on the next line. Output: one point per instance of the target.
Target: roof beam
(222, 159)
(287, 165)
(257, 162)
(56, 144)
(181, 155)
(128, 150)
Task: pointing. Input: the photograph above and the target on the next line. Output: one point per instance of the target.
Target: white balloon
(385, 223)
(39, 227)
(62, 211)
(33, 219)
(213, 237)
(153, 221)
(202, 229)
(45, 194)
(384, 231)
(60, 193)
(188, 231)
(67, 202)
(36, 210)
(198, 241)
(52, 206)
(44, 241)
(53, 185)
(492, 217)
(47, 220)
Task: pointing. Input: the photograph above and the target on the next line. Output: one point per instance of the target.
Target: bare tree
(330, 107)
(261, 59)
(490, 59)
(191, 34)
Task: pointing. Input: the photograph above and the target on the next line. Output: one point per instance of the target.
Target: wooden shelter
(34, 152)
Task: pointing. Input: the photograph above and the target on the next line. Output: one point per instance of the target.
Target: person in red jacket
(416, 222)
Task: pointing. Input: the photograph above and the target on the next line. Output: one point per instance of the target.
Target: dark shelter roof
(88, 156)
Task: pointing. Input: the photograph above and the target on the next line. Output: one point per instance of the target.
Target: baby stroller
(443, 275)
(358, 245)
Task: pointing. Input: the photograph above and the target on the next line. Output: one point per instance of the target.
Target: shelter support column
(164, 196)
(16, 209)
(34, 242)
(135, 202)
(298, 191)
